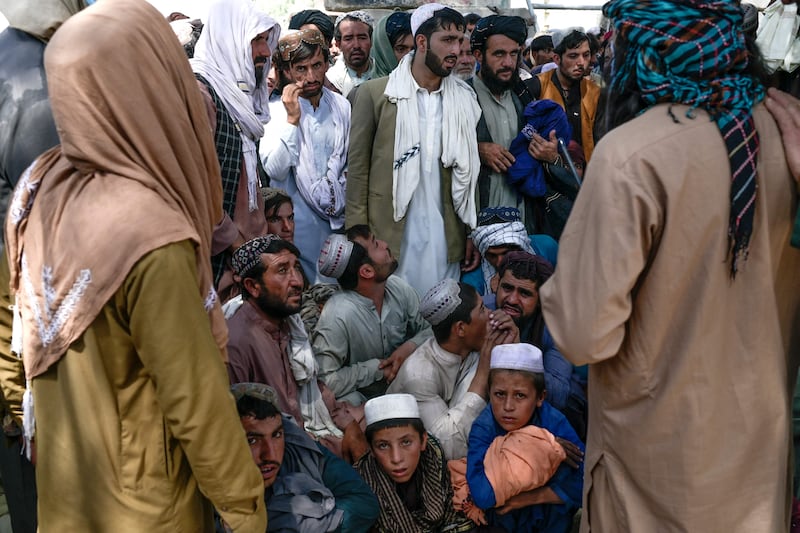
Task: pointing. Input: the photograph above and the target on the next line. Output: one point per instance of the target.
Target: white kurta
(423, 256)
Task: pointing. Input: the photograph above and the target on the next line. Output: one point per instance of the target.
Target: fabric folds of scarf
(40, 18)
(507, 233)
(299, 499)
(70, 239)
(522, 460)
(326, 194)
(461, 112)
(316, 417)
(436, 494)
(382, 51)
(693, 52)
(223, 56)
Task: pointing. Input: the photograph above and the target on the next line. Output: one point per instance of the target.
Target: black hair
(440, 21)
(337, 34)
(257, 272)
(537, 270)
(471, 18)
(573, 39)
(415, 423)
(537, 378)
(358, 257)
(462, 313)
(277, 200)
(304, 51)
(256, 407)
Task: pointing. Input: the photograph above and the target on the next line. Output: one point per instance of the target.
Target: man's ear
(366, 271)
(422, 43)
(478, 55)
(459, 328)
(252, 287)
(557, 59)
(424, 440)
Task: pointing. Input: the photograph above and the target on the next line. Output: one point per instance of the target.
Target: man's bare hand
(354, 443)
(786, 110)
(472, 258)
(391, 365)
(503, 327)
(544, 149)
(574, 454)
(291, 101)
(495, 156)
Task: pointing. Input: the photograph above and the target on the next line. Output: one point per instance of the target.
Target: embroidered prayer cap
(361, 16)
(248, 255)
(498, 215)
(398, 23)
(290, 41)
(315, 17)
(423, 13)
(560, 35)
(440, 301)
(268, 193)
(512, 27)
(390, 407)
(334, 256)
(258, 391)
(518, 356)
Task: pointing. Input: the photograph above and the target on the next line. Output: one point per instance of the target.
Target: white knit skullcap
(519, 356)
(423, 13)
(390, 407)
(440, 301)
(334, 256)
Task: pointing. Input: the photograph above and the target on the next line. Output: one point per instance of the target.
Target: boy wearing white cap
(517, 399)
(406, 469)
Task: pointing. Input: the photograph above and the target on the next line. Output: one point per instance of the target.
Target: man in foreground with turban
(677, 280)
(127, 384)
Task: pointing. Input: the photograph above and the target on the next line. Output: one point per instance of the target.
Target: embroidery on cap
(54, 319)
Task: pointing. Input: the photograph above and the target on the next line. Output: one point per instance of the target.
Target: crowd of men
(425, 273)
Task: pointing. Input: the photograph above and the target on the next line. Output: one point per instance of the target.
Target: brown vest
(590, 94)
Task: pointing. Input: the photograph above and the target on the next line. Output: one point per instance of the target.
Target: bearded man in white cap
(352, 33)
(448, 374)
(419, 127)
(367, 330)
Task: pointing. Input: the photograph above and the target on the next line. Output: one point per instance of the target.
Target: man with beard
(367, 330)
(521, 274)
(678, 283)
(353, 36)
(231, 62)
(570, 87)
(417, 126)
(268, 344)
(467, 64)
(496, 43)
(307, 153)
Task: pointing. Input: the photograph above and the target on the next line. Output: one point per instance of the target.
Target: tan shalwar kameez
(688, 395)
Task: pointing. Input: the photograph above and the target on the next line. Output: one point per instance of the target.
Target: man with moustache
(569, 86)
(372, 325)
(306, 488)
(306, 154)
(467, 64)
(417, 126)
(497, 43)
(231, 62)
(353, 36)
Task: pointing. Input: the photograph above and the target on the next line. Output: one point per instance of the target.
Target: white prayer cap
(390, 407)
(519, 356)
(334, 256)
(361, 16)
(440, 301)
(423, 13)
(183, 30)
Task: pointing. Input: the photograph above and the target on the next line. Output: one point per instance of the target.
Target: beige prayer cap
(423, 13)
(258, 391)
(334, 256)
(390, 407)
(519, 356)
(440, 301)
(291, 41)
